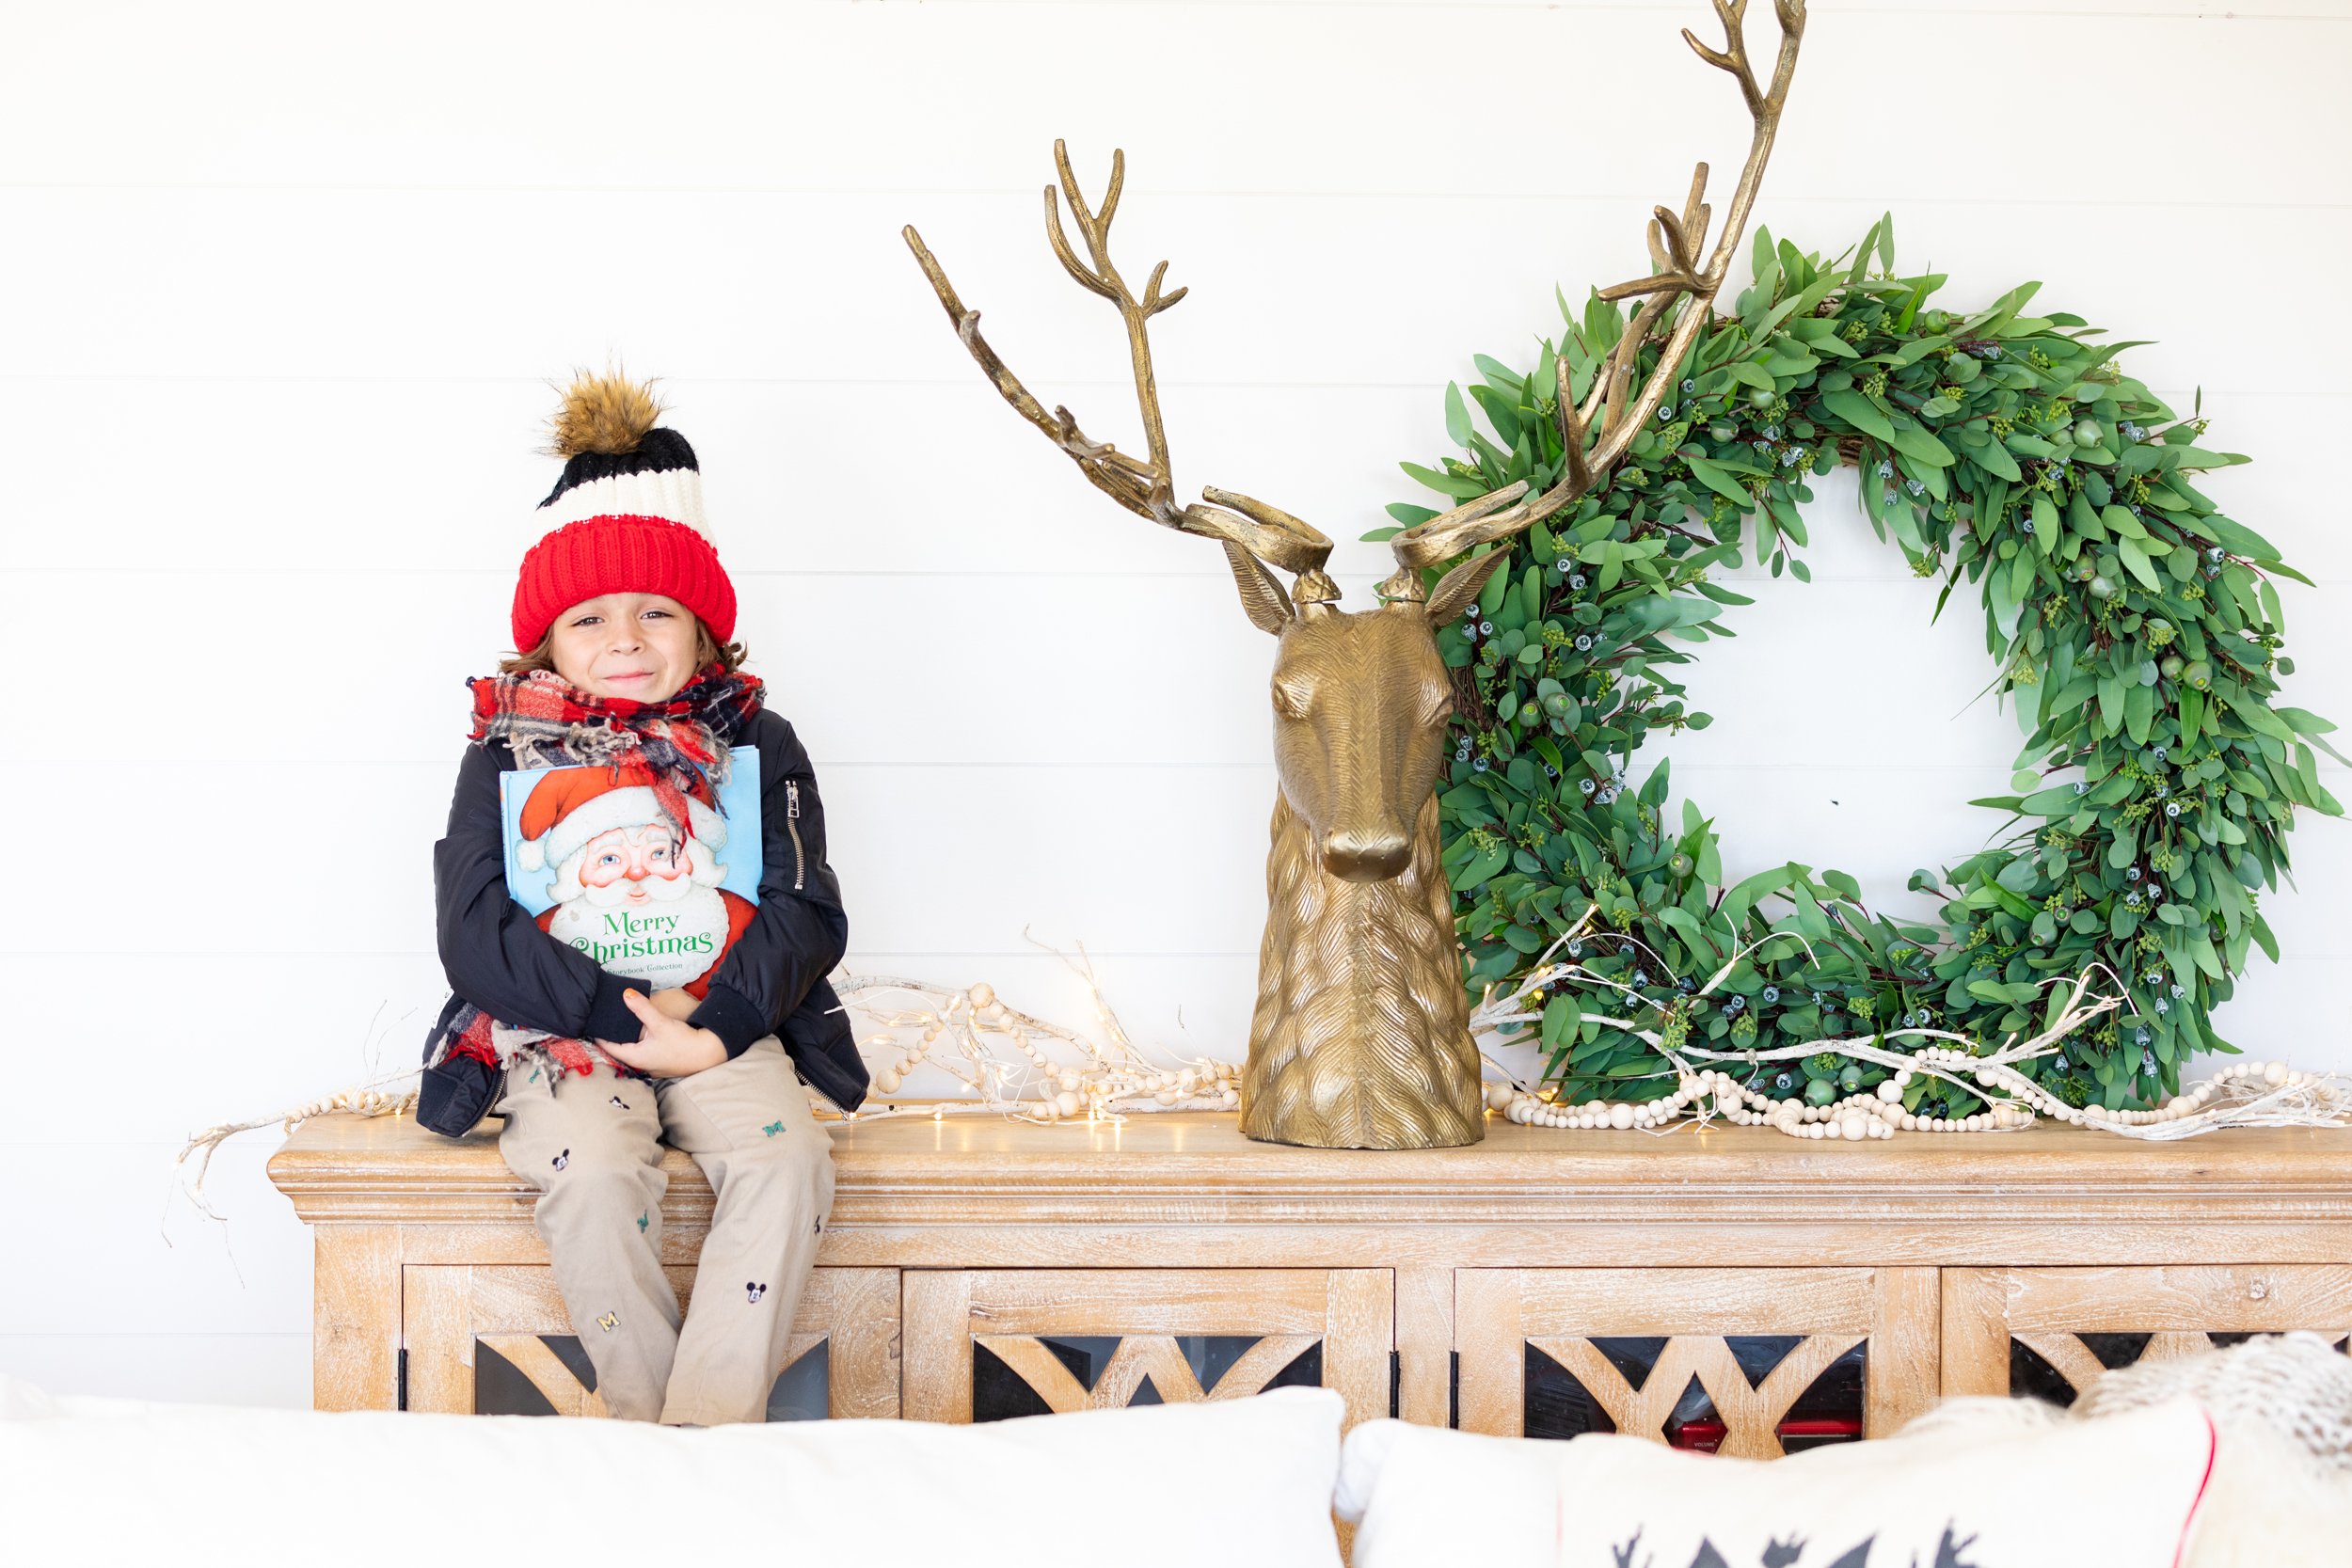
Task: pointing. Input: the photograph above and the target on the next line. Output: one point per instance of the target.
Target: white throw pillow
(2118, 1494)
(1232, 1483)
(1426, 1498)
(1422, 1496)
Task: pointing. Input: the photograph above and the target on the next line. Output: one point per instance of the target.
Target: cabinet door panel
(1747, 1362)
(2051, 1333)
(986, 1344)
(496, 1339)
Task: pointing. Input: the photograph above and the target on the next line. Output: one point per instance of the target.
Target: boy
(626, 620)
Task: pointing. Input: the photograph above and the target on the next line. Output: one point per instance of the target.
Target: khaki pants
(593, 1147)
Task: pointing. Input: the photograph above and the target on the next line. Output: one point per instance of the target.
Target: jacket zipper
(792, 825)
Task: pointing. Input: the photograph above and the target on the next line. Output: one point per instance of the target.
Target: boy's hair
(707, 647)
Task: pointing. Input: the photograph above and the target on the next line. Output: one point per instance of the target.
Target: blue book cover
(591, 856)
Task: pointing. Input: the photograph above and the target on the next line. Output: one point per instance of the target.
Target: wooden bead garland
(1879, 1113)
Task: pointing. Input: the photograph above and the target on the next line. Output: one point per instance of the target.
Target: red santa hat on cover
(573, 806)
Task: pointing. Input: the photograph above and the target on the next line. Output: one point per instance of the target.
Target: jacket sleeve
(494, 953)
(800, 930)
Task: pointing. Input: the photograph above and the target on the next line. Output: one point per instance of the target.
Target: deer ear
(1262, 597)
(1461, 585)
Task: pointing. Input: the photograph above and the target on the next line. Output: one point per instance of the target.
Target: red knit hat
(629, 511)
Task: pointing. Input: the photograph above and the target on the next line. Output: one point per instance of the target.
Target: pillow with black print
(2117, 1493)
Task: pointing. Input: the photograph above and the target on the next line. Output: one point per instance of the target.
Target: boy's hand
(678, 1003)
(671, 1047)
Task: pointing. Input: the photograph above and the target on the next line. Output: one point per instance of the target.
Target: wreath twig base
(2241, 1094)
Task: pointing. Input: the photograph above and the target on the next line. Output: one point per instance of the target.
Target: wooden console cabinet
(1732, 1289)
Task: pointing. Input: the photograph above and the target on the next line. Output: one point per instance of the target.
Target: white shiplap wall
(282, 286)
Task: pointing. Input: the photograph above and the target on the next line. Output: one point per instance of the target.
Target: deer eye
(1437, 701)
(1290, 701)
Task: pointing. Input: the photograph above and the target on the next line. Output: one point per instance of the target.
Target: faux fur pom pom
(607, 414)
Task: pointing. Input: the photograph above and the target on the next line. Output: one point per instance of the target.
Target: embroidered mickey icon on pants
(608, 1322)
(643, 1219)
(563, 1159)
(773, 1128)
(753, 1292)
(619, 1102)
(820, 1227)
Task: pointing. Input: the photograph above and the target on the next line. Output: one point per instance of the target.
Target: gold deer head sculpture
(1361, 1037)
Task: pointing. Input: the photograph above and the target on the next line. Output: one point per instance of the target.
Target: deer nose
(1366, 856)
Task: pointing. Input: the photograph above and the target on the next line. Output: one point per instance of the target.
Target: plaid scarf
(549, 722)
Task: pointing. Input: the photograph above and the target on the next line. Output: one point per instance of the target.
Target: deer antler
(1614, 411)
(1254, 534)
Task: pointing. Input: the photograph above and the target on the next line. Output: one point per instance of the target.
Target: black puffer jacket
(772, 981)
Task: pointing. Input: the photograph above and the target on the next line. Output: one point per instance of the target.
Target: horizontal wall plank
(799, 477)
(119, 1251)
(1149, 860)
(1063, 850)
(1056, 671)
(1309, 99)
(440, 284)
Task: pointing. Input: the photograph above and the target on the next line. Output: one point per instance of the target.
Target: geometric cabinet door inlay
(2051, 1333)
(1750, 1363)
(484, 1339)
(982, 1343)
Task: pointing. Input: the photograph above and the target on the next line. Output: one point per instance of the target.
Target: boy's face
(635, 646)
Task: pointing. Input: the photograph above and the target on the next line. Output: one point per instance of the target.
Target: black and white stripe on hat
(618, 461)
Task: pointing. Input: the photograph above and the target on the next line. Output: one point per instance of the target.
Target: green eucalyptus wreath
(2137, 623)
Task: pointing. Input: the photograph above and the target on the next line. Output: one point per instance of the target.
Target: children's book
(590, 855)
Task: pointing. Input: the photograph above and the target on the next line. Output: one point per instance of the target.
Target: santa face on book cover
(631, 888)
(642, 902)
